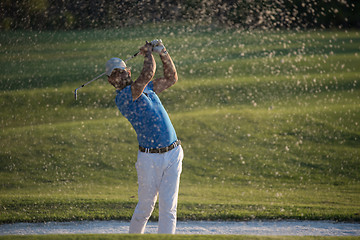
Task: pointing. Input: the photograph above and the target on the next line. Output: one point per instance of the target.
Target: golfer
(159, 161)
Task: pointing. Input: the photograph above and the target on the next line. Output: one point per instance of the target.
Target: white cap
(114, 63)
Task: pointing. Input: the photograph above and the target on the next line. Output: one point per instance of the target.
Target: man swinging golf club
(159, 161)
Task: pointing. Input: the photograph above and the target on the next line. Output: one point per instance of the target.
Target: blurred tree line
(102, 14)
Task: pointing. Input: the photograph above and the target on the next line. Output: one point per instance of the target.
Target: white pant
(158, 174)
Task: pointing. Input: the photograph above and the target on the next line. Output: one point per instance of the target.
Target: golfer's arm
(170, 75)
(145, 77)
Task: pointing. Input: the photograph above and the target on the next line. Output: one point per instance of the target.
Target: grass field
(269, 123)
(173, 237)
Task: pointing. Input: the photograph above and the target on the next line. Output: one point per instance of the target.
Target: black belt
(160, 150)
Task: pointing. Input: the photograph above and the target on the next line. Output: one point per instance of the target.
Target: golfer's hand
(146, 49)
(158, 46)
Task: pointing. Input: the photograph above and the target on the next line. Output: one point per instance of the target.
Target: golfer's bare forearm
(145, 77)
(170, 73)
(148, 71)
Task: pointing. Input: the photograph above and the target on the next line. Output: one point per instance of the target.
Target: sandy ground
(299, 228)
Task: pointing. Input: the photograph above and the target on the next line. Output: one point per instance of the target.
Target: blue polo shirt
(148, 117)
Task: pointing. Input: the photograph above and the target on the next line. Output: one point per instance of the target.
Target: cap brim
(108, 73)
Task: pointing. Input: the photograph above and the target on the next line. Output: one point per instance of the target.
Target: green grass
(172, 237)
(269, 123)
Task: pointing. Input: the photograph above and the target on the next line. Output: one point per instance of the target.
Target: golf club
(132, 57)
(75, 92)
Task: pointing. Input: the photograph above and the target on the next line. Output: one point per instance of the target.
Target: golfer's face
(124, 74)
(119, 75)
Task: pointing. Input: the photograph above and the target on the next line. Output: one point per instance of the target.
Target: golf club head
(75, 92)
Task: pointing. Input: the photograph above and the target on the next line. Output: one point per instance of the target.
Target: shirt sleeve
(150, 86)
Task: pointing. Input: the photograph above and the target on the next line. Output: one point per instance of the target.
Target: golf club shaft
(132, 57)
(75, 92)
(87, 84)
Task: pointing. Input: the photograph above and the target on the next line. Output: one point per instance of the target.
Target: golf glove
(158, 46)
